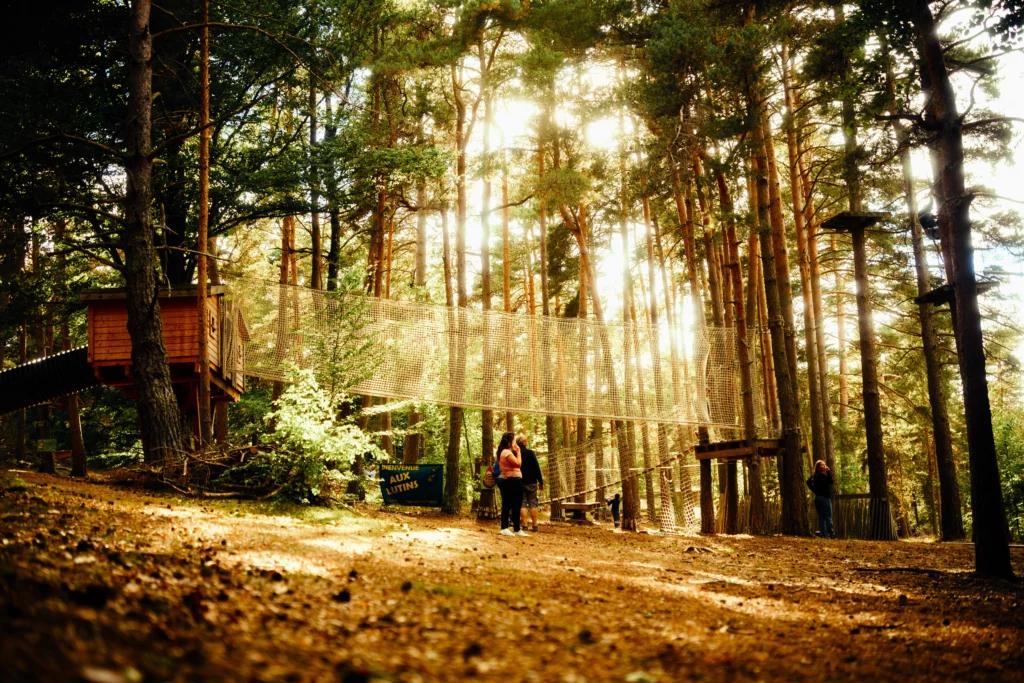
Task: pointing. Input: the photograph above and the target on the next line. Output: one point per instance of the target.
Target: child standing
(614, 503)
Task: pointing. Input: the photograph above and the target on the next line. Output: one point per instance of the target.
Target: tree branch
(195, 131)
(63, 136)
(995, 119)
(518, 203)
(83, 207)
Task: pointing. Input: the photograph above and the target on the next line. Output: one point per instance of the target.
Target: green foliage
(348, 363)
(109, 422)
(311, 447)
(1008, 427)
(247, 418)
(116, 460)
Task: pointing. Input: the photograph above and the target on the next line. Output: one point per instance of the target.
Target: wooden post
(707, 499)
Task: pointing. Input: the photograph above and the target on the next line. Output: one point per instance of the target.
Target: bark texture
(156, 403)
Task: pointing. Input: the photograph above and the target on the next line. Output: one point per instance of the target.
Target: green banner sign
(412, 484)
(46, 445)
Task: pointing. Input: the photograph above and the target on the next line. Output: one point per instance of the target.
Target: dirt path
(102, 584)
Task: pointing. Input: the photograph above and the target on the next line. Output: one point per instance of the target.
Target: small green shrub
(310, 450)
(117, 459)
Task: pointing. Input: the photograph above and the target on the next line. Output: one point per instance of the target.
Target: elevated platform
(845, 221)
(740, 449)
(943, 295)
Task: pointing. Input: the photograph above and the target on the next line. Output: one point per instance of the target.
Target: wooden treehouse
(110, 349)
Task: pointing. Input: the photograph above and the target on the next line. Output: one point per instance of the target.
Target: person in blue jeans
(821, 484)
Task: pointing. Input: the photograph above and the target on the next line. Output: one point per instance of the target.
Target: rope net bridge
(657, 382)
(505, 362)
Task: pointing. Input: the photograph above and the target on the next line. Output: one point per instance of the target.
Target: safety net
(467, 357)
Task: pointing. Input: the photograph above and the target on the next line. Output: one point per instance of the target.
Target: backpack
(492, 475)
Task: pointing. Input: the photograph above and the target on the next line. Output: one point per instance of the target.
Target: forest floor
(103, 584)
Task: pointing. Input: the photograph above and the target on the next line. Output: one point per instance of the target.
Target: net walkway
(495, 360)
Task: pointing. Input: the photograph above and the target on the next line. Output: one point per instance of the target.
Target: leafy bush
(117, 459)
(247, 418)
(310, 449)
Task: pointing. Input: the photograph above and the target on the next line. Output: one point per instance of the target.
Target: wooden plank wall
(109, 343)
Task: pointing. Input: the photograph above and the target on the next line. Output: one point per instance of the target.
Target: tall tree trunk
(814, 371)
(79, 467)
(281, 344)
(627, 457)
(486, 414)
(727, 471)
(683, 508)
(631, 353)
(202, 264)
(451, 503)
(781, 252)
(684, 214)
(667, 518)
(21, 429)
(840, 285)
(549, 420)
(758, 518)
(317, 257)
(413, 441)
(813, 231)
(334, 248)
(881, 516)
(220, 409)
(156, 404)
(991, 532)
(506, 284)
(42, 411)
(949, 489)
(581, 421)
(757, 306)
(631, 502)
(794, 503)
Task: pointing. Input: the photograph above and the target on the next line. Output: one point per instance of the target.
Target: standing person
(510, 484)
(614, 503)
(533, 481)
(821, 484)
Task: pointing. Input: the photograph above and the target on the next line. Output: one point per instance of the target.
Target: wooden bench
(61, 455)
(579, 510)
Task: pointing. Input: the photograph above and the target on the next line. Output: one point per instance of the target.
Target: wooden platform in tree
(946, 294)
(739, 449)
(846, 221)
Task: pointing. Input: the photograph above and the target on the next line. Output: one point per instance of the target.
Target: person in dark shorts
(614, 503)
(533, 481)
(821, 483)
